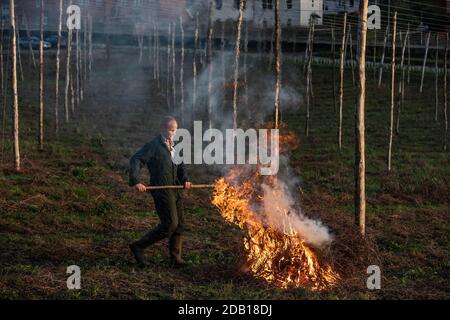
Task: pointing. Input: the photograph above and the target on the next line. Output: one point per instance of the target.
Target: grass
(71, 204)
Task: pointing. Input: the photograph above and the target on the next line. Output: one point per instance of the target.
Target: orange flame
(280, 257)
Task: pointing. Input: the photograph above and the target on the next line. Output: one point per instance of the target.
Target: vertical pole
(391, 118)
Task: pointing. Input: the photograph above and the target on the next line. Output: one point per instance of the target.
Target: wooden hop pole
(360, 160)
(425, 61)
(277, 62)
(341, 83)
(391, 118)
(14, 88)
(237, 53)
(41, 80)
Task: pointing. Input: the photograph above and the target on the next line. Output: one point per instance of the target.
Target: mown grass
(71, 203)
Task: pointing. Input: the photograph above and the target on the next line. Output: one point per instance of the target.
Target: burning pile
(278, 237)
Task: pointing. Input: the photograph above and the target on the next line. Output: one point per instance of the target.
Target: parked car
(25, 42)
(53, 40)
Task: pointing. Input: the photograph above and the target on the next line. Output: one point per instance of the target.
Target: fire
(278, 255)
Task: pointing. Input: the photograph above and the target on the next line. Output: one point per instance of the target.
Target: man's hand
(140, 187)
(187, 185)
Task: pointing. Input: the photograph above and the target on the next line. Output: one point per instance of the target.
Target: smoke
(281, 213)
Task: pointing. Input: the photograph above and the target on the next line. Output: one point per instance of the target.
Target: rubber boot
(138, 247)
(175, 244)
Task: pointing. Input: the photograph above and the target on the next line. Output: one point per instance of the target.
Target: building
(261, 12)
(334, 7)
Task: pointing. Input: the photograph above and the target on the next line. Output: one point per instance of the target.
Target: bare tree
(360, 158)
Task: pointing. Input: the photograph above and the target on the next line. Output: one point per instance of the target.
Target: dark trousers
(169, 207)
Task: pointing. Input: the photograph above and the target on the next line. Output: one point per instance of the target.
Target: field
(71, 204)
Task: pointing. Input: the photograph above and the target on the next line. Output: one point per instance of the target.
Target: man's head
(169, 127)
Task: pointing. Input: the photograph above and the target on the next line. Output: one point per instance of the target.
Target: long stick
(194, 186)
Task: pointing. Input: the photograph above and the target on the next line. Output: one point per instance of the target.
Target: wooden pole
(383, 55)
(19, 54)
(409, 56)
(77, 66)
(182, 73)
(194, 186)
(237, 53)
(14, 88)
(174, 64)
(68, 78)
(444, 144)
(278, 61)
(333, 53)
(41, 80)
(425, 61)
(360, 160)
(436, 82)
(58, 66)
(391, 121)
(309, 72)
(222, 52)
(401, 85)
(341, 83)
(30, 47)
(209, 62)
(245, 65)
(169, 35)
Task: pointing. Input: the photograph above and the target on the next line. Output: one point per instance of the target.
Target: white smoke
(281, 214)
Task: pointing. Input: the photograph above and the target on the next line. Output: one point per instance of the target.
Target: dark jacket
(156, 155)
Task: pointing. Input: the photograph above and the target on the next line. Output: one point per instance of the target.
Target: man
(157, 156)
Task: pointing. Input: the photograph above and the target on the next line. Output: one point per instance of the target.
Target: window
(289, 22)
(237, 3)
(218, 4)
(289, 4)
(267, 4)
